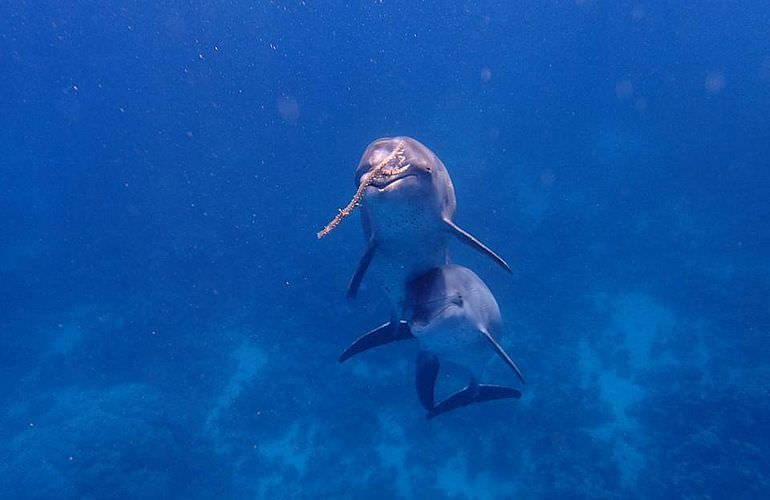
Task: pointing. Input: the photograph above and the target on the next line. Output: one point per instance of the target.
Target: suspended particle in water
(624, 89)
(486, 74)
(715, 82)
(288, 108)
(640, 103)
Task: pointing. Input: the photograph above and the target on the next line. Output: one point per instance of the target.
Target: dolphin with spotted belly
(456, 319)
(407, 205)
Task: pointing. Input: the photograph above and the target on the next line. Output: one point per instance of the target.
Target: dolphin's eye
(458, 300)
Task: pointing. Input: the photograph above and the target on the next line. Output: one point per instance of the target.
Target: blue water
(169, 323)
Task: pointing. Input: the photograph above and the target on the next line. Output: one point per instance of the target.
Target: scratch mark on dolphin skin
(366, 180)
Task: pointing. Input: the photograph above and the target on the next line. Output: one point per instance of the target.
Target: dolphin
(455, 319)
(407, 204)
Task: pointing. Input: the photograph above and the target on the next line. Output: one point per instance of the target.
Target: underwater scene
(302, 249)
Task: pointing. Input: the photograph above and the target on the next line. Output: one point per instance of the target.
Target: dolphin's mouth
(383, 181)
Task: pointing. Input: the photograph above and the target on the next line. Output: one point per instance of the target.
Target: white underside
(456, 341)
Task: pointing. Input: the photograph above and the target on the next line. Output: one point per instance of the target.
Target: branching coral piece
(397, 157)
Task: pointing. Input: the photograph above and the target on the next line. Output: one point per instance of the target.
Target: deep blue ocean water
(169, 323)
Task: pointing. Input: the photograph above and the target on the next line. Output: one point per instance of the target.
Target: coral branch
(366, 180)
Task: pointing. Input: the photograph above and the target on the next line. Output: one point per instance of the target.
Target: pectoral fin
(471, 241)
(383, 334)
(503, 355)
(363, 265)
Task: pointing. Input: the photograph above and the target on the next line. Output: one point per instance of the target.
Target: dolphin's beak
(389, 180)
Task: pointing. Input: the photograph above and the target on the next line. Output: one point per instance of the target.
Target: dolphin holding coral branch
(407, 204)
